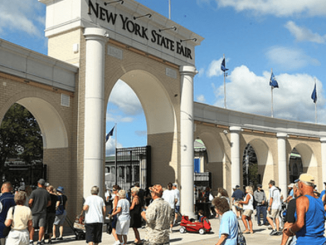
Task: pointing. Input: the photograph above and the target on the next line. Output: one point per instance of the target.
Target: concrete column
(94, 109)
(323, 157)
(187, 140)
(282, 165)
(236, 164)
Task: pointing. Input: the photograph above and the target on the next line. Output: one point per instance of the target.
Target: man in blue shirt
(6, 201)
(237, 196)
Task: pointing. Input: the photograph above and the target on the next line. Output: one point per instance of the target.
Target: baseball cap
(291, 185)
(156, 189)
(41, 182)
(307, 178)
(175, 184)
(259, 185)
(237, 186)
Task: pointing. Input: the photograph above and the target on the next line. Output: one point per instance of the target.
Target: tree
(20, 138)
(250, 165)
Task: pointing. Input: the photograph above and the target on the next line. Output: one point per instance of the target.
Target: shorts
(122, 227)
(247, 212)
(177, 209)
(172, 216)
(273, 213)
(114, 222)
(49, 222)
(39, 220)
(60, 219)
(94, 232)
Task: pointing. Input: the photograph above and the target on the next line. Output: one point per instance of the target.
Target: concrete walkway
(260, 236)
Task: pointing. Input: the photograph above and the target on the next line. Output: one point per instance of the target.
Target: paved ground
(260, 236)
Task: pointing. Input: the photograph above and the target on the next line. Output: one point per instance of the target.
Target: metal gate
(133, 165)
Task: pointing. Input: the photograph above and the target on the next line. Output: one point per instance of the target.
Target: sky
(254, 35)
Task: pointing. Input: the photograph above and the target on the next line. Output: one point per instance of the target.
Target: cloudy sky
(255, 36)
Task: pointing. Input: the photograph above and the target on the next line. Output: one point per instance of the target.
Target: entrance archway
(295, 165)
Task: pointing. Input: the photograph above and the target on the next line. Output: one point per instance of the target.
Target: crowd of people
(158, 208)
(44, 209)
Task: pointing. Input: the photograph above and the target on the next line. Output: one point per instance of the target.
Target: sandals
(246, 232)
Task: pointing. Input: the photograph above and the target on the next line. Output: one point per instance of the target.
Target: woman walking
(19, 218)
(135, 211)
(248, 208)
(122, 212)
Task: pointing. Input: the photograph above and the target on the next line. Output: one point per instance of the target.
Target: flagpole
(315, 105)
(169, 9)
(272, 109)
(224, 87)
(116, 155)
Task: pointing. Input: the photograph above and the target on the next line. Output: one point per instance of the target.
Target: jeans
(261, 209)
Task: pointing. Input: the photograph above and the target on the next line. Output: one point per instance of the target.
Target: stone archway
(308, 158)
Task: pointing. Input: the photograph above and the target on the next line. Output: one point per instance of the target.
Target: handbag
(241, 240)
(60, 210)
(7, 229)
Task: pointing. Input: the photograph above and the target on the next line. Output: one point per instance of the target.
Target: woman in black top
(135, 210)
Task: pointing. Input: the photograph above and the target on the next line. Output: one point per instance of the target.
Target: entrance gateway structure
(105, 41)
(112, 40)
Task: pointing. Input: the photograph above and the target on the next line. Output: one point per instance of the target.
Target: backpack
(241, 240)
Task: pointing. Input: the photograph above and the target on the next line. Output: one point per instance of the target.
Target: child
(201, 215)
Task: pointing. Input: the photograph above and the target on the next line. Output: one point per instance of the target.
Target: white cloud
(304, 34)
(289, 58)
(201, 71)
(279, 8)
(251, 93)
(214, 69)
(110, 146)
(125, 98)
(141, 133)
(201, 98)
(114, 117)
(23, 16)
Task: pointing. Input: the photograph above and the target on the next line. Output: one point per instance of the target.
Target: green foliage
(20, 137)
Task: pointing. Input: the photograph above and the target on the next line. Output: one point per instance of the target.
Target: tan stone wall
(61, 162)
(61, 46)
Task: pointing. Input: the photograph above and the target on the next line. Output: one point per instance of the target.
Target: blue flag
(314, 94)
(273, 82)
(107, 137)
(223, 68)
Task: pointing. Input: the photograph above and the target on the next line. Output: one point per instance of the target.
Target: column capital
(323, 139)
(235, 129)
(93, 33)
(188, 70)
(281, 135)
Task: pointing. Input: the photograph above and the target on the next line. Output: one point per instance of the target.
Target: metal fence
(133, 165)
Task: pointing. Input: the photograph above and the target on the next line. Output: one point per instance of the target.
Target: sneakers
(171, 230)
(31, 242)
(60, 238)
(273, 233)
(117, 243)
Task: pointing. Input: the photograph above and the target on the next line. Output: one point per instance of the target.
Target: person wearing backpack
(6, 201)
(60, 214)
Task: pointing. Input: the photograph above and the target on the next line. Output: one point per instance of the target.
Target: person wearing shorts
(39, 200)
(123, 215)
(60, 213)
(248, 208)
(95, 209)
(274, 207)
(177, 205)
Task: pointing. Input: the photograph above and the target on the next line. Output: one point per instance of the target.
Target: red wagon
(191, 226)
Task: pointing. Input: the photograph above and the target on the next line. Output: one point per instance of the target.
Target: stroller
(78, 227)
(192, 226)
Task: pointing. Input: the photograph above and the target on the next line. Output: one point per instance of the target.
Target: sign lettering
(138, 30)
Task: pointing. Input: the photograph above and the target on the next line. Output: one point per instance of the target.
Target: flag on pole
(314, 94)
(223, 68)
(107, 137)
(273, 82)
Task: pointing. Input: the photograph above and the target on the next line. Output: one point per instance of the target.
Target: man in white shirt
(177, 205)
(95, 209)
(169, 196)
(274, 206)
